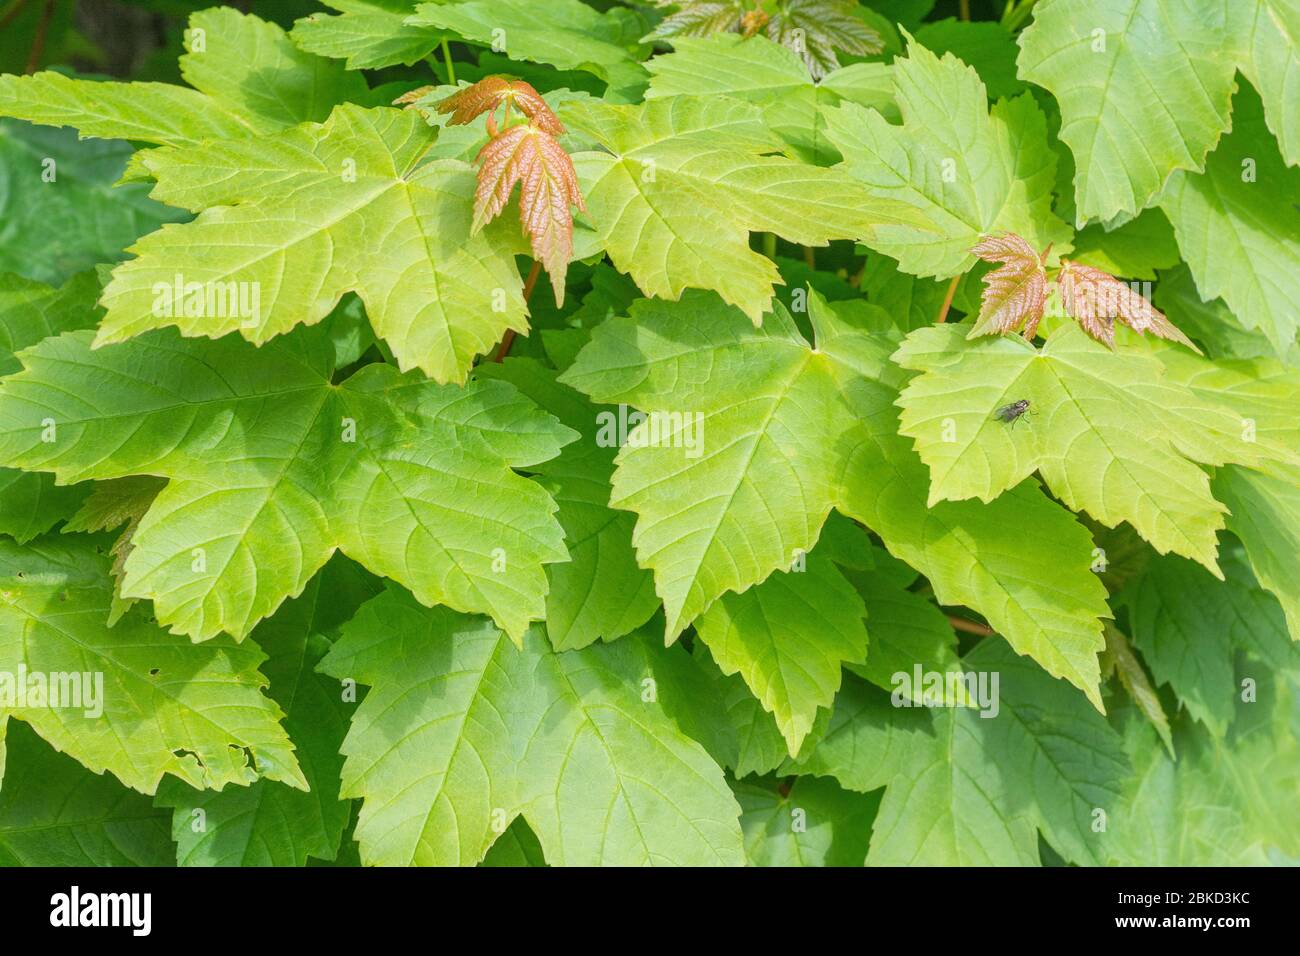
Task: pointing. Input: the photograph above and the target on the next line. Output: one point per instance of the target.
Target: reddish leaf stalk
(947, 300)
(38, 44)
(970, 627)
(508, 339)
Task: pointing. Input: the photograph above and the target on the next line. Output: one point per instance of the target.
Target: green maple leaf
(1144, 86)
(1189, 626)
(566, 34)
(195, 711)
(231, 94)
(1223, 802)
(1136, 249)
(272, 468)
(54, 812)
(599, 593)
(985, 45)
(1210, 323)
(686, 179)
(48, 179)
(968, 171)
(973, 554)
(1084, 444)
(118, 505)
(773, 78)
(269, 824)
(294, 217)
(518, 846)
(816, 29)
(721, 712)
(461, 732)
(1265, 515)
(788, 638)
(974, 789)
(814, 823)
(1237, 229)
(31, 504)
(906, 628)
(786, 434)
(370, 34)
(812, 29)
(867, 742)
(746, 491)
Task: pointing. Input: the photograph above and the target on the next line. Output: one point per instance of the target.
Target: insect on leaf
(548, 185)
(1015, 292)
(1096, 299)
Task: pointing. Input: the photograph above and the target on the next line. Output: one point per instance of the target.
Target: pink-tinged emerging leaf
(1096, 299)
(1014, 293)
(410, 98)
(489, 93)
(548, 186)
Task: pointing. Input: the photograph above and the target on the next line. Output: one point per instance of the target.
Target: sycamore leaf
(1144, 86)
(370, 34)
(835, 823)
(1135, 249)
(741, 476)
(1237, 226)
(774, 79)
(117, 505)
(1268, 36)
(867, 742)
(1134, 680)
(967, 170)
(699, 18)
(599, 593)
(1209, 322)
(567, 34)
(1097, 300)
(759, 436)
(1224, 802)
(518, 846)
(1039, 759)
(273, 467)
(986, 45)
(906, 628)
(813, 29)
(491, 92)
(1265, 515)
(972, 786)
(31, 504)
(34, 212)
(232, 93)
(460, 727)
(973, 554)
(269, 824)
(548, 185)
(1085, 400)
(292, 221)
(719, 711)
(788, 637)
(56, 813)
(1189, 627)
(1015, 292)
(166, 706)
(686, 179)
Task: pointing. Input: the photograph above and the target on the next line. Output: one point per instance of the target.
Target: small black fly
(1011, 413)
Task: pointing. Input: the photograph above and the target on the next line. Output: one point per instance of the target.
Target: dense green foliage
(387, 513)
